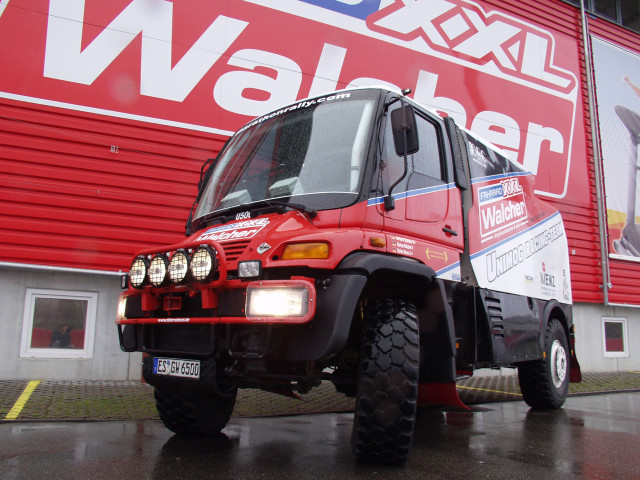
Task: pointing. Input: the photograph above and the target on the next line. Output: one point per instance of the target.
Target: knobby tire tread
(188, 413)
(388, 383)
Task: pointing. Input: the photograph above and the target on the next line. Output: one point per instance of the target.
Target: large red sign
(214, 65)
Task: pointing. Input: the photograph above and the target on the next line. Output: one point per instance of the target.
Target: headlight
(122, 307)
(293, 300)
(158, 269)
(179, 266)
(138, 271)
(203, 263)
(250, 269)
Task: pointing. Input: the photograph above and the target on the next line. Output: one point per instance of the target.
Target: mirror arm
(389, 201)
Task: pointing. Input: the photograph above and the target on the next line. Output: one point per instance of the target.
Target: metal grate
(233, 250)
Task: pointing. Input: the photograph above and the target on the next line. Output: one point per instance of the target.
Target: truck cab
(361, 239)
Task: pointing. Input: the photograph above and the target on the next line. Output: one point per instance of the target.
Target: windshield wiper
(294, 206)
(259, 204)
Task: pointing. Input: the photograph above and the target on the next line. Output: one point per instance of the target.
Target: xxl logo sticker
(502, 208)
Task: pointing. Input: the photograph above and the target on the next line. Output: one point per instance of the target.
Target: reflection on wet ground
(591, 437)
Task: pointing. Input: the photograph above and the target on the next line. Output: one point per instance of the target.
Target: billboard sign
(213, 66)
(618, 89)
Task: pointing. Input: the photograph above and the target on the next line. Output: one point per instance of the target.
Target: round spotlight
(178, 266)
(203, 263)
(158, 268)
(138, 271)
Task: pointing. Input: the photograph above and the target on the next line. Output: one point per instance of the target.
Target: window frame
(445, 176)
(31, 295)
(625, 337)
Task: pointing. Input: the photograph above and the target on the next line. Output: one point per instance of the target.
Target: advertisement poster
(617, 80)
(213, 66)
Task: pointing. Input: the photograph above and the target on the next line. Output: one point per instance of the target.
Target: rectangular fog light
(290, 301)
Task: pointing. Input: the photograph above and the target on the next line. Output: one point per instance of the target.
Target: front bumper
(204, 332)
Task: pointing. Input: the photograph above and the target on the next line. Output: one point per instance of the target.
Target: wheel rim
(558, 363)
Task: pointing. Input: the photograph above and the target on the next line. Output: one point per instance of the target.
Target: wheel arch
(564, 314)
(554, 310)
(391, 276)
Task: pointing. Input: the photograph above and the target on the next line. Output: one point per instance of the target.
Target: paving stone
(100, 401)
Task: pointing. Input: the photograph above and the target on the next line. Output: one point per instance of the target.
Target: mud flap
(439, 393)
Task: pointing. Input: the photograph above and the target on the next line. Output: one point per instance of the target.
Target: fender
(327, 334)
(417, 281)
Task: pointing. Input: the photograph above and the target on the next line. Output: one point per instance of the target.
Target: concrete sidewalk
(99, 401)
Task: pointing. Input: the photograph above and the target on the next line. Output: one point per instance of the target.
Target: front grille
(233, 250)
(184, 339)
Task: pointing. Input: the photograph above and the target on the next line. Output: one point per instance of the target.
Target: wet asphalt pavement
(593, 437)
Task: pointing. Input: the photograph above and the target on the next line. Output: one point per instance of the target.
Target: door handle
(450, 231)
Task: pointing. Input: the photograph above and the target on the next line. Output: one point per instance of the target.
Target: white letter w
(65, 59)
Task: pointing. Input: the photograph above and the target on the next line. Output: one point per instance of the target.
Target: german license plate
(175, 367)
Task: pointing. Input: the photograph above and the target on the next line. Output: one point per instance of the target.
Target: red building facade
(108, 110)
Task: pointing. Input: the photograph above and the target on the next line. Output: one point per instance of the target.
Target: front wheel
(189, 413)
(387, 390)
(545, 383)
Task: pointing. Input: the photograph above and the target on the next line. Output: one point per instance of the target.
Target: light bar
(138, 271)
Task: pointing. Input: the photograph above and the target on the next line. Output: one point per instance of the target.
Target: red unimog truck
(357, 238)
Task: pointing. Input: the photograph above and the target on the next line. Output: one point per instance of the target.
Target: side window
(424, 167)
(427, 162)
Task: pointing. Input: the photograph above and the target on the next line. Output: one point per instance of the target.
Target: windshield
(311, 153)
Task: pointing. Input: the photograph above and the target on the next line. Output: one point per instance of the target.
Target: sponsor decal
(402, 245)
(566, 292)
(502, 208)
(498, 264)
(174, 320)
(263, 247)
(440, 255)
(305, 104)
(534, 263)
(235, 231)
(547, 281)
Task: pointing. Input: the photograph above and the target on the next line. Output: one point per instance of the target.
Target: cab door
(427, 205)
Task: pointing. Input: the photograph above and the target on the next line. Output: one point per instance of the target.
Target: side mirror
(403, 120)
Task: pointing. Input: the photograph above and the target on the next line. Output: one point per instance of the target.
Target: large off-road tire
(387, 391)
(545, 383)
(189, 413)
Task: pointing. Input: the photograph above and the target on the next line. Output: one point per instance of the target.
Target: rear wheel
(387, 391)
(189, 413)
(545, 383)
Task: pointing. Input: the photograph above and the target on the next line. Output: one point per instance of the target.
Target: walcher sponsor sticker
(502, 208)
(532, 263)
(235, 231)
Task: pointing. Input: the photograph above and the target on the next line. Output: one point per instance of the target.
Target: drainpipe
(597, 158)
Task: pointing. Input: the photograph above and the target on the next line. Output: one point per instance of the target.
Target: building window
(58, 324)
(622, 12)
(614, 334)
